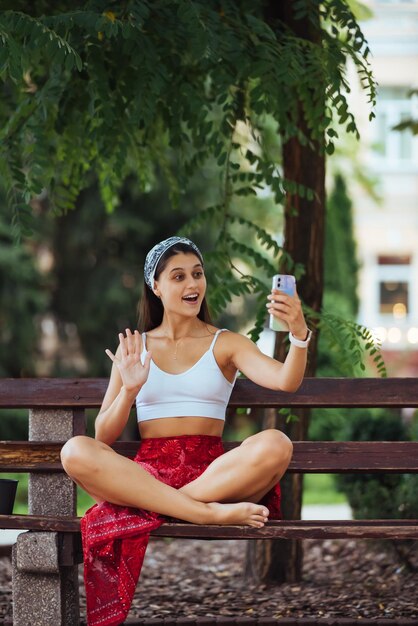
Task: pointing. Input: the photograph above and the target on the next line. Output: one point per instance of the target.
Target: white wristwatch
(299, 342)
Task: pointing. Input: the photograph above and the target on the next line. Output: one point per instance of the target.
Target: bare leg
(116, 479)
(247, 472)
(95, 497)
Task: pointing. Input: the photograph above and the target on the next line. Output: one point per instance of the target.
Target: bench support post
(45, 590)
(45, 593)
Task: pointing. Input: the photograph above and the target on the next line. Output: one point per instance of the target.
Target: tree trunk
(281, 560)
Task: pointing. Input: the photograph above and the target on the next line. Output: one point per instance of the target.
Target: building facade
(387, 230)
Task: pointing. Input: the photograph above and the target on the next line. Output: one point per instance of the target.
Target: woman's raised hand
(132, 372)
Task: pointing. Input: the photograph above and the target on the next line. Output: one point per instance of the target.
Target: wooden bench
(45, 583)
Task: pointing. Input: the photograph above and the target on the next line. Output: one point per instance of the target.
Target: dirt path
(355, 579)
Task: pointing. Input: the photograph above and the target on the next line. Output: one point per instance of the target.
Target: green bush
(387, 496)
(14, 424)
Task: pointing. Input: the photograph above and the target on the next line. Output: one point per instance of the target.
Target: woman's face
(182, 284)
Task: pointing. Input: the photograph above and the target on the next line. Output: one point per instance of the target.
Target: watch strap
(299, 342)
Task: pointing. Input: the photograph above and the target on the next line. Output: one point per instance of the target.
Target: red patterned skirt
(115, 537)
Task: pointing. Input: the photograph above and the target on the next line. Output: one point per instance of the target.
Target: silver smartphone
(287, 284)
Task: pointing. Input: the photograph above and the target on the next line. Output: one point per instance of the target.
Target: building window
(394, 105)
(394, 287)
(394, 298)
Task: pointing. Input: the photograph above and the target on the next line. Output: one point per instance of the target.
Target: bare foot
(238, 513)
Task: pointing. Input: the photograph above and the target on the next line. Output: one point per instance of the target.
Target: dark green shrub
(14, 424)
(390, 496)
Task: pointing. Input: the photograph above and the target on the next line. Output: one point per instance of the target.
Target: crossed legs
(225, 493)
(247, 472)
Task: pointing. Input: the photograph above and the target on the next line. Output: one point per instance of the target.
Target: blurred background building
(387, 231)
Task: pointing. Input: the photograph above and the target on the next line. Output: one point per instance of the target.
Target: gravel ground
(344, 578)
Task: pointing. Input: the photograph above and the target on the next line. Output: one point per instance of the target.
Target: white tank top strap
(144, 343)
(220, 330)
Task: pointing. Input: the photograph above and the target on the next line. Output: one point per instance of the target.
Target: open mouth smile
(191, 298)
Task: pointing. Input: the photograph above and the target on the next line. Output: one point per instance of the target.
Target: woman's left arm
(262, 369)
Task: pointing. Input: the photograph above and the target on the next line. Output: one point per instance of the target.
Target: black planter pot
(8, 488)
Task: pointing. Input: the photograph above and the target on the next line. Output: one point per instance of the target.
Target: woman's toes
(256, 524)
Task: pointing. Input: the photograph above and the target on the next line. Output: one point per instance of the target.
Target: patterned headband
(154, 255)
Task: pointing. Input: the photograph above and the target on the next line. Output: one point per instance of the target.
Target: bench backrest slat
(314, 392)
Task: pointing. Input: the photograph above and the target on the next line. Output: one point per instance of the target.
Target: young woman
(181, 372)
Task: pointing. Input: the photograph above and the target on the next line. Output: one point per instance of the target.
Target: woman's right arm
(126, 379)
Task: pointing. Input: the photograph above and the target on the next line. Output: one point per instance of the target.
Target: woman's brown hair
(150, 309)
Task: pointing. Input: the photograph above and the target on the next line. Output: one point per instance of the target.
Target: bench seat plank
(295, 529)
(308, 457)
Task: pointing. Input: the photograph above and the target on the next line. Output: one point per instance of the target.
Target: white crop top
(202, 390)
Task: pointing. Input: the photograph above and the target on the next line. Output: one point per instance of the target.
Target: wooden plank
(331, 392)
(28, 456)
(308, 457)
(298, 529)
(295, 529)
(314, 392)
(355, 457)
(52, 392)
(264, 621)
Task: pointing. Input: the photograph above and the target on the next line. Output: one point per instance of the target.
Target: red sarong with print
(115, 537)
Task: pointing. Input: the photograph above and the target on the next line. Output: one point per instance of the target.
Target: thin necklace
(175, 351)
(181, 338)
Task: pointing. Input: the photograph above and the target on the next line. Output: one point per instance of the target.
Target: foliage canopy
(107, 91)
(103, 90)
